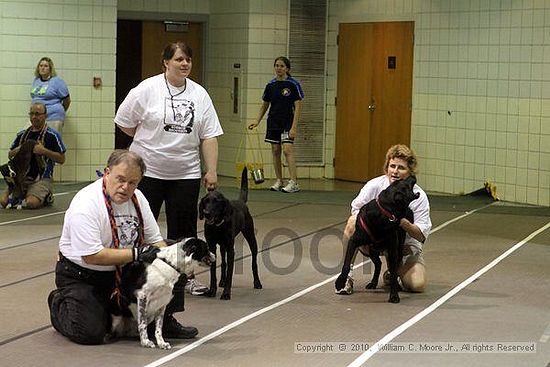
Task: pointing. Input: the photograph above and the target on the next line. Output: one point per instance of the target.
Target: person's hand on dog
(38, 148)
(146, 254)
(210, 181)
(412, 230)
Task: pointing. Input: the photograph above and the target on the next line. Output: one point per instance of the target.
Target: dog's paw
(258, 285)
(147, 344)
(225, 296)
(371, 285)
(394, 298)
(164, 345)
(109, 338)
(210, 293)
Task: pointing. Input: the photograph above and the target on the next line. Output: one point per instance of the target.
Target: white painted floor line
(65, 193)
(31, 218)
(241, 321)
(546, 335)
(443, 225)
(236, 323)
(38, 216)
(400, 329)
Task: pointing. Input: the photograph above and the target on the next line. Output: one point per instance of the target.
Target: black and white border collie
(146, 289)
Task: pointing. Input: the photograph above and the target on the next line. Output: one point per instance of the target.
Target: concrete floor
(488, 284)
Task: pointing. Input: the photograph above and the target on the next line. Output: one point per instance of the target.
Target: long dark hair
(170, 50)
(286, 61)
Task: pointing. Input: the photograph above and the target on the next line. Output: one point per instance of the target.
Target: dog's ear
(190, 246)
(201, 209)
(194, 246)
(412, 182)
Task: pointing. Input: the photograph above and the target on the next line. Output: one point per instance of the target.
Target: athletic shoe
(348, 287)
(195, 288)
(277, 186)
(172, 329)
(292, 186)
(48, 200)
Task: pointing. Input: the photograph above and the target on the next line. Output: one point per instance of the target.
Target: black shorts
(278, 137)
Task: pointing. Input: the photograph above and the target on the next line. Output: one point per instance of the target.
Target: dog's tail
(244, 185)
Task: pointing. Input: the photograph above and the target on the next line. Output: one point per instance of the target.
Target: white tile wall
(258, 31)
(75, 34)
(488, 62)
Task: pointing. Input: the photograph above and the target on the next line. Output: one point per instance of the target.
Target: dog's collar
(367, 229)
(219, 224)
(386, 213)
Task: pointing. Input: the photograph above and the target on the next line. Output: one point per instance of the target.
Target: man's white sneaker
(291, 186)
(195, 288)
(277, 186)
(348, 288)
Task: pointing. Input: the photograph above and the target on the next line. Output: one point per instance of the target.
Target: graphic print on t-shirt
(179, 115)
(285, 92)
(127, 227)
(39, 90)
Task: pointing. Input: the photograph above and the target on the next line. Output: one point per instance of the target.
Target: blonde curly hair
(403, 152)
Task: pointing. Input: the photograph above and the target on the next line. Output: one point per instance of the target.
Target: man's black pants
(79, 306)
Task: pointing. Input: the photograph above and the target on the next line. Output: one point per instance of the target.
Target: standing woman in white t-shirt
(51, 90)
(172, 120)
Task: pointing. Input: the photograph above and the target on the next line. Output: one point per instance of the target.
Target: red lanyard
(114, 234)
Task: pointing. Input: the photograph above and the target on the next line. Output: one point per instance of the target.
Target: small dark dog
(146, 289)
(15, 172)
(377, 230)
(223, 221)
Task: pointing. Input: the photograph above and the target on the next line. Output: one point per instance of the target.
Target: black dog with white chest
(223, 221)
(146, 289)
(377, 230)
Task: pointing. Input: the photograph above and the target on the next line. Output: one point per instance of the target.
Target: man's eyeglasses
(31, 114)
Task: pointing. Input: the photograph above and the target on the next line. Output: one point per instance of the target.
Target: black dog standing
(377, 230)
(224, 220)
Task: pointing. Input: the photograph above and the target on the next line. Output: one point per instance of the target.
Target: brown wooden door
(374, 95)
(155, 38)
